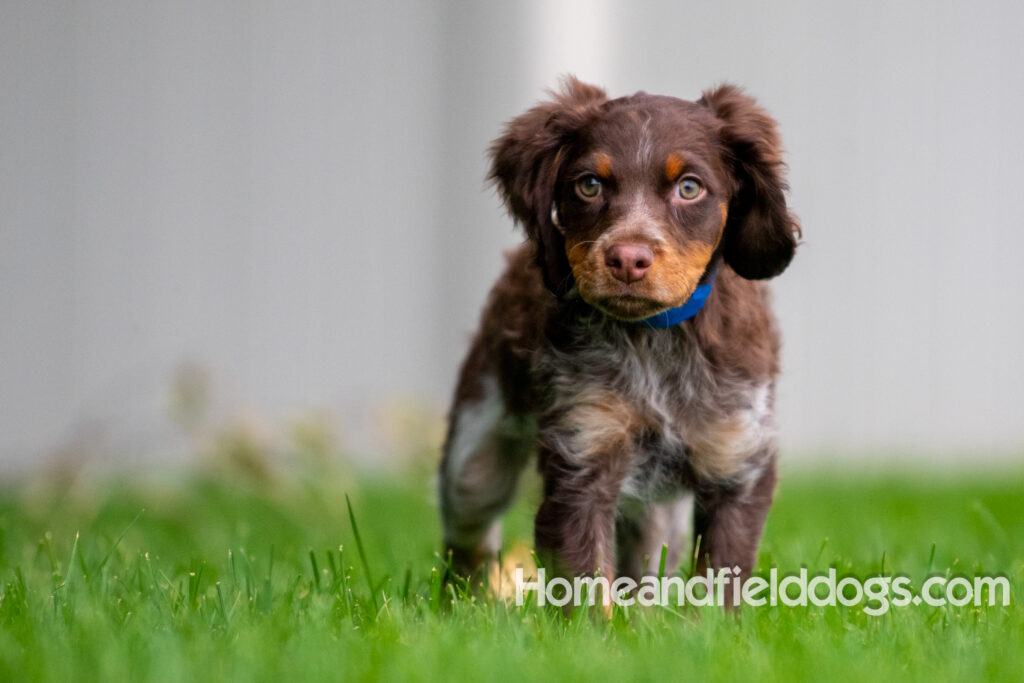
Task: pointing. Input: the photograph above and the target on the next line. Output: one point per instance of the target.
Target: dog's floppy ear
(525, 163)
(760, 233)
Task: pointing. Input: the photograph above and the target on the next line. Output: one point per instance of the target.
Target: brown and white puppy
(628, 205)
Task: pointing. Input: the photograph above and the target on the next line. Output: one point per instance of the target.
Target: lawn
(241, 572)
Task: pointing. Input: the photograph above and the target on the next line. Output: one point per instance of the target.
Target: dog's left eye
(689, 188)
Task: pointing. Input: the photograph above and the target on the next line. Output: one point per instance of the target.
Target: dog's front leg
(728, 522)
(575, 525)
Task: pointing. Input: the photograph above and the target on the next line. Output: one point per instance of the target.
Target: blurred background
(271, 216)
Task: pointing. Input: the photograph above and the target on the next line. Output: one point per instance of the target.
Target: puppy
(630, 342)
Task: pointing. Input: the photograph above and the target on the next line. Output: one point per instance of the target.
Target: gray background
(287, 200)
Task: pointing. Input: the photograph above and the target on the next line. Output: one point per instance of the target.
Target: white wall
(291, 195)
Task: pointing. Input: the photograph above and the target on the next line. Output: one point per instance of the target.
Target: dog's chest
(653, 403)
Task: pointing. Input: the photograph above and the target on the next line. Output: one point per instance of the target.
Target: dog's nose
(628, 262)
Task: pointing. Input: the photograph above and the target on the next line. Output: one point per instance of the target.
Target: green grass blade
(362, 554)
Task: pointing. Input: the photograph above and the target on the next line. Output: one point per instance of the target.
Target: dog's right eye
(588, 187)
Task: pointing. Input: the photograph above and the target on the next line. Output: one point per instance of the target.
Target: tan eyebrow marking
(604, 165)
(673, 166)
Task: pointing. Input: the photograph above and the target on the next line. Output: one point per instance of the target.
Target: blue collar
(690, 307)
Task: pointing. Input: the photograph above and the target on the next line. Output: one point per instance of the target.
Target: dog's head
(632, 199)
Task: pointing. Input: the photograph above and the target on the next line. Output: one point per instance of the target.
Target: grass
(317, 573)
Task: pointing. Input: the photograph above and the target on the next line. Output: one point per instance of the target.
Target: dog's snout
(628, 262)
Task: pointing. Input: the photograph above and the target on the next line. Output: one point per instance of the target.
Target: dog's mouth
(669, 283)
(630, 308)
